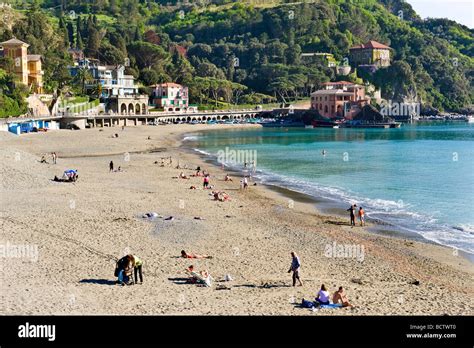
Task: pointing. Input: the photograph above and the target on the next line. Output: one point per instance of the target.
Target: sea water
(418, 178)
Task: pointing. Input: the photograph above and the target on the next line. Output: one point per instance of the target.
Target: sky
(461, 11)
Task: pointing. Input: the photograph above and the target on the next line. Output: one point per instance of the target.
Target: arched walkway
(137, 109)
(123, 109)
(130, 108)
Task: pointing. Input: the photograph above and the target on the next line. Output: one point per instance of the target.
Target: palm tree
(82, 77)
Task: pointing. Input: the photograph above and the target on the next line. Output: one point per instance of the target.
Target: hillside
(250, 51)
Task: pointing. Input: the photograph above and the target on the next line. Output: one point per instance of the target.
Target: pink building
(339, 99)
(170, 96)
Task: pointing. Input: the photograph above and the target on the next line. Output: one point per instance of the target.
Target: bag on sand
(307, 304)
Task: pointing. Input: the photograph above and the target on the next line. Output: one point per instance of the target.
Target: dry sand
(79, 228)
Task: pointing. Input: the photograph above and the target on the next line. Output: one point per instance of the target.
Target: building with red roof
(370, 53)
(339, 99)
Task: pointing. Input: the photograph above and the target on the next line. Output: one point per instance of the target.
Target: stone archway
(144, 109)
(123, 109)
(137, 109)
(130, 109)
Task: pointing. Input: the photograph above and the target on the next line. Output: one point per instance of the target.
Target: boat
(470, 119)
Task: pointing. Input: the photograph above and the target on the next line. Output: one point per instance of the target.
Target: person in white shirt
(323, 296)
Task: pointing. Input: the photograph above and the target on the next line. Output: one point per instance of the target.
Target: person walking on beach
(362, 216)
(111, 166)
(295, 268)
(352, 211)
(246, 182)
(54, 157)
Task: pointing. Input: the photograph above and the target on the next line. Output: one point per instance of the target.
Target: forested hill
(253, 47)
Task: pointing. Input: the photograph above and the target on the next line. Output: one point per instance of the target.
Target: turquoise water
(419, 178)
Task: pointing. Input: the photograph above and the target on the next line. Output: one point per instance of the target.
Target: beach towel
(332, 305)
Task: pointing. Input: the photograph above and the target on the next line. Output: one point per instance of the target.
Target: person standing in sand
(246, 182)
(295, 268)
(205, 184)
(111, 166)
(137, 267)
(352, 211)
(362, 216)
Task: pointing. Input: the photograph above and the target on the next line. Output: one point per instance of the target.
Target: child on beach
(206, 181)
(362, 216)
(111, 166)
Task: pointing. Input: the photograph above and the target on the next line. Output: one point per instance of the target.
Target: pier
(78, 121)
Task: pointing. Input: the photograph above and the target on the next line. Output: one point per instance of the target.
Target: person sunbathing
(182, 176)
(340, 295)
(224, 197)
(185, 255)
(227, 178)
(203, 276)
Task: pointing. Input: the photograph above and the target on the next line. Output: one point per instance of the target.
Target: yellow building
(370, 53)
(26, 66)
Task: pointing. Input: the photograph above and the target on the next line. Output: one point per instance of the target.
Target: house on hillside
(339, 99)
(117, 91)
(170, 96)
(27, 67)
(371, 53)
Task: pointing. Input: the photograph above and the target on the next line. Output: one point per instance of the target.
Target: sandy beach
(79, 228)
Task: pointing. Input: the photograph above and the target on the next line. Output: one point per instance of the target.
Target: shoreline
(324, 206)
(249, 236)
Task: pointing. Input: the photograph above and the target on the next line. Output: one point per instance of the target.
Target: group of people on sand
(323, 296)
(111, 167)
(202, 277)
(354, 212)
(128, 269)
(54, 158)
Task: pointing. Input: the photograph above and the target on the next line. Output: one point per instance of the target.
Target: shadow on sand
(181, 280)
(339, 223)
(99, 281)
